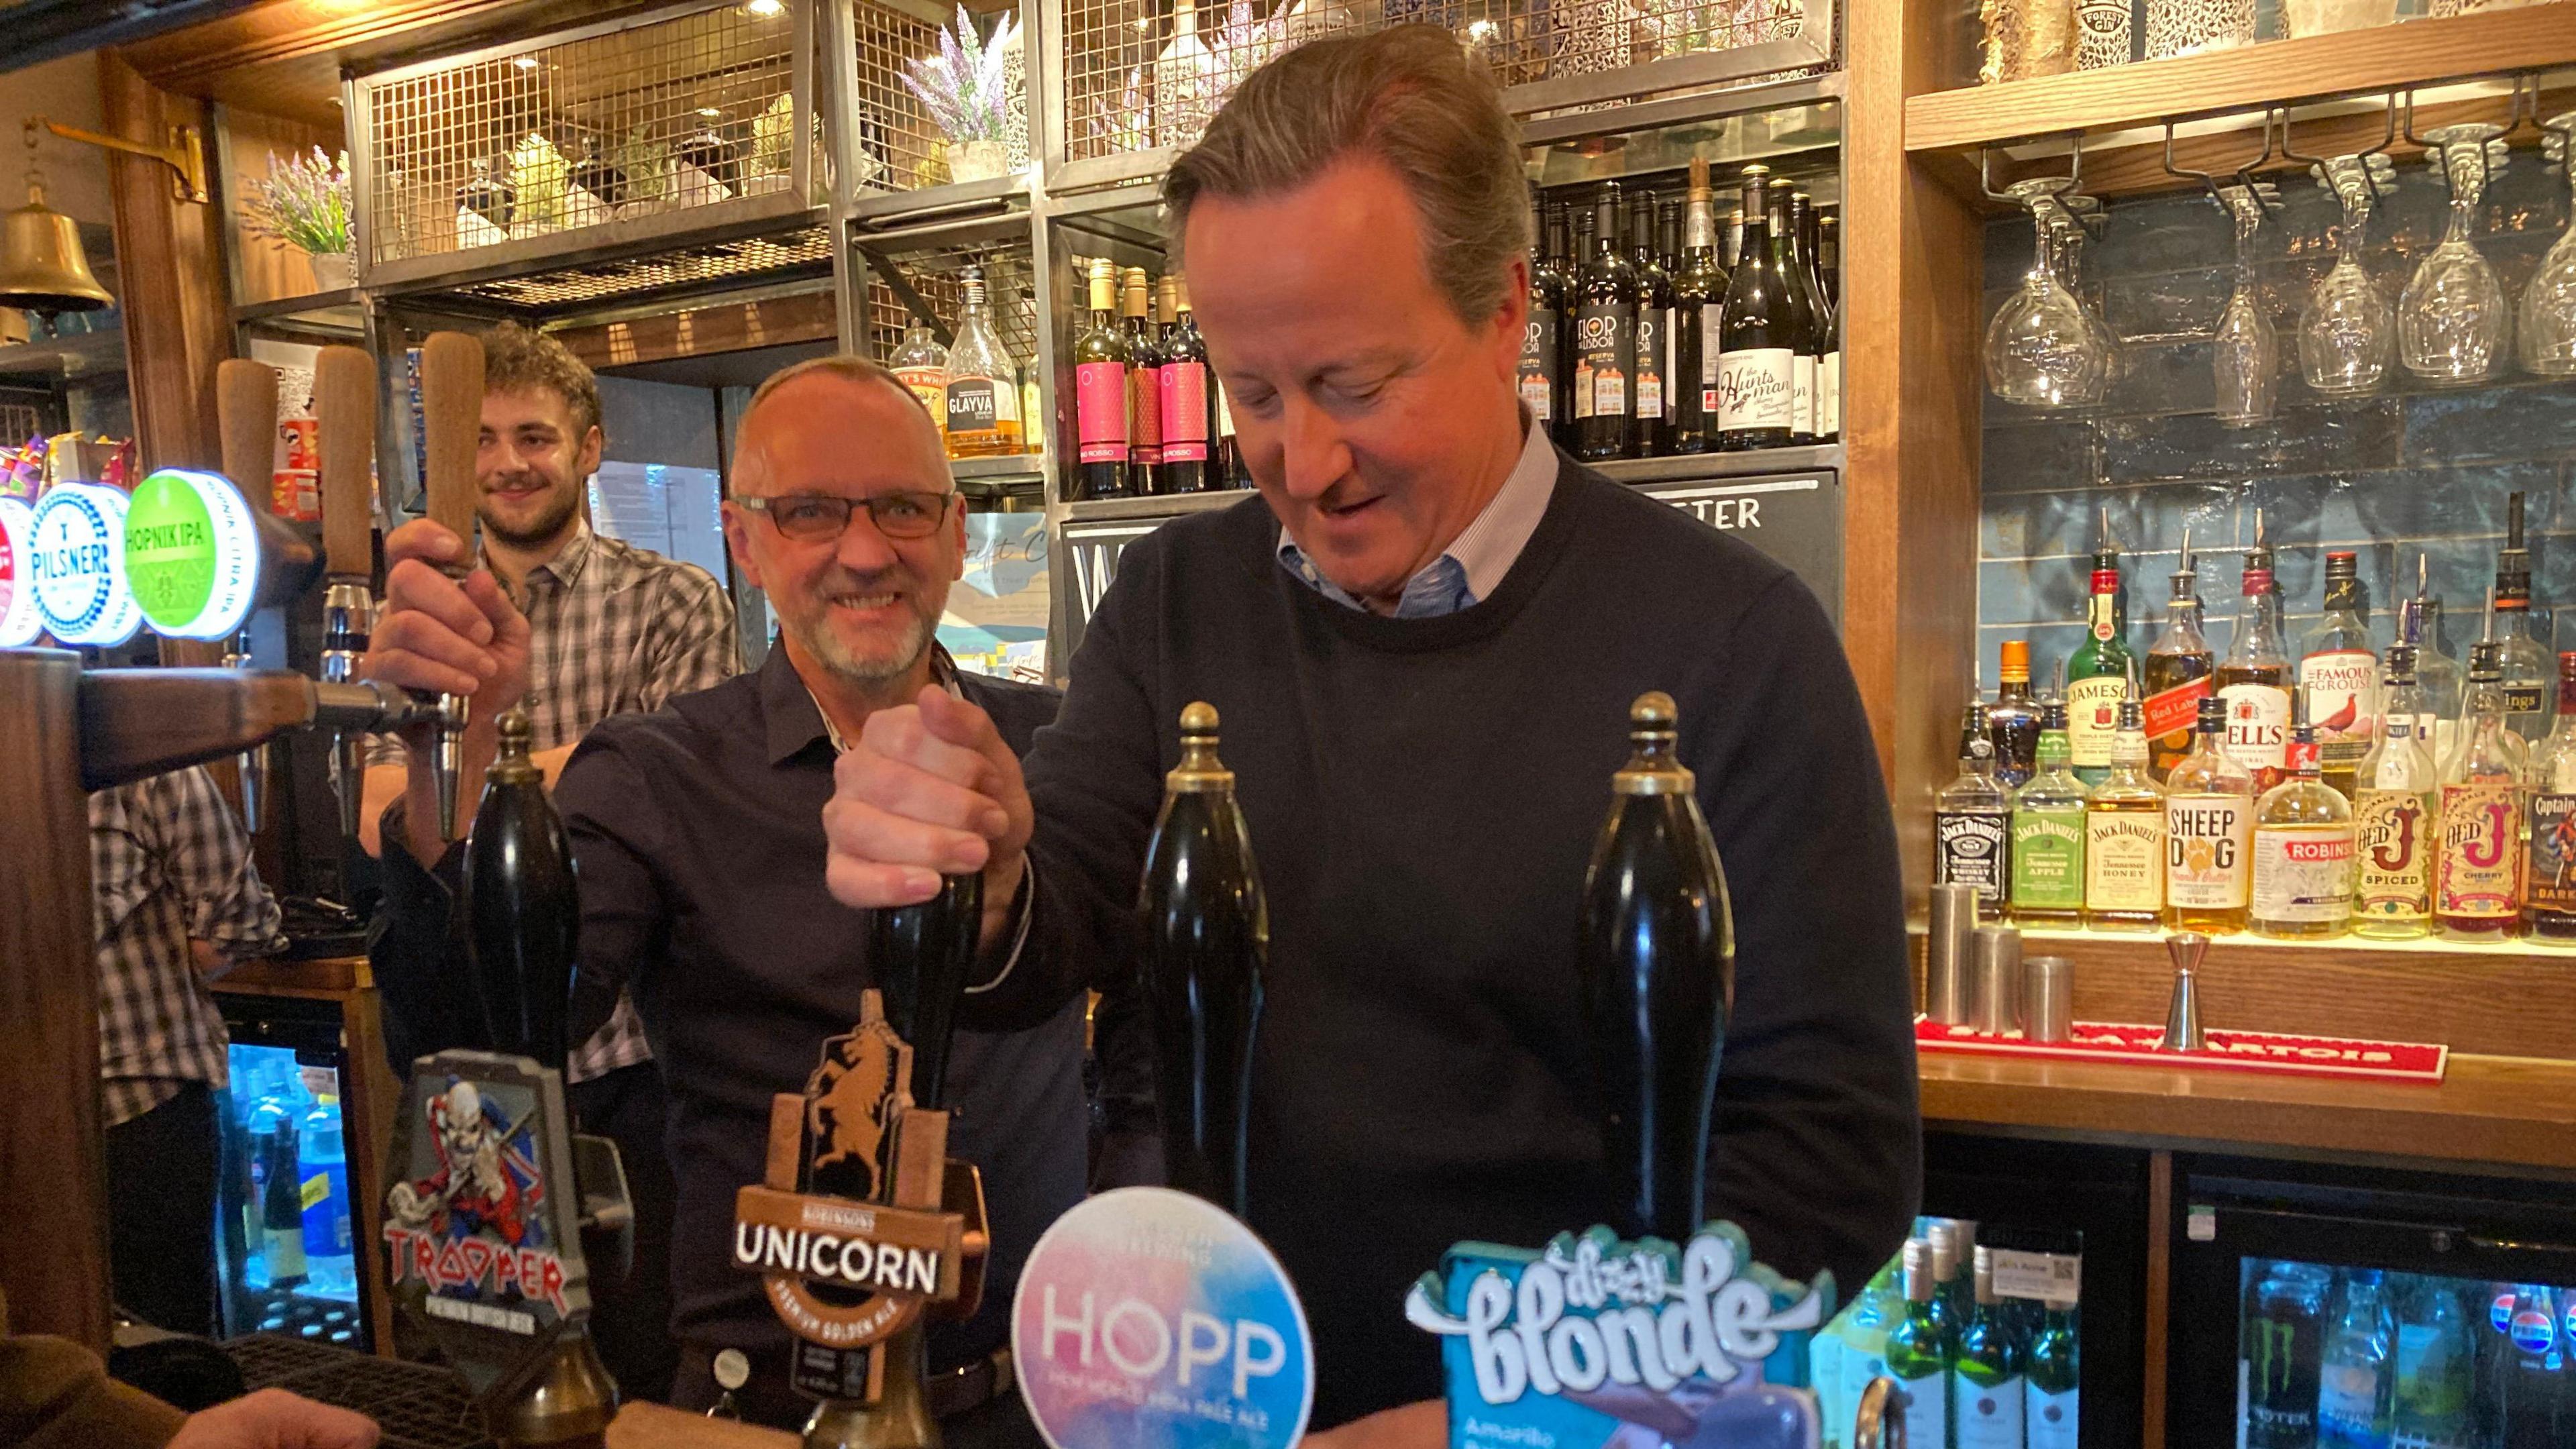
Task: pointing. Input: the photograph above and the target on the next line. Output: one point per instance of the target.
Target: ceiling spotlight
(1480, 32)
(765, 9)
(709, 112)
(525, 62)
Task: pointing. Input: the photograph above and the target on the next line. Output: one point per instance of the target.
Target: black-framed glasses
(820, 517)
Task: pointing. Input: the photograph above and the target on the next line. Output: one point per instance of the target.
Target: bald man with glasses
(698, 833)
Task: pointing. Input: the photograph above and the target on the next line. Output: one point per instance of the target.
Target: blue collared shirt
(1474, 563)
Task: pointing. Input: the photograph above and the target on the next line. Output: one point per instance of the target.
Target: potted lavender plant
(966, 90)
(304, 203)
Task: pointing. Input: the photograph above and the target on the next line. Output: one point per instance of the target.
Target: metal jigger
(344, 412)
(451, 408)
(2182, 1015)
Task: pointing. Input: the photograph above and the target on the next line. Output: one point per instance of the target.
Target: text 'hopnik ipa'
(1656, 965)
(1207, 934)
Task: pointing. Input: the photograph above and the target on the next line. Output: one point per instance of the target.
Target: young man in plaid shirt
(614, 629)
(175, 901)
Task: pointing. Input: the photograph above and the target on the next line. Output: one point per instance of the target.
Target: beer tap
(246, 416)
(1656, 963)
(344, 408)
(451, 406)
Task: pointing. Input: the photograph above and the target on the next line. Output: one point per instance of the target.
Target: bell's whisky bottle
(1655, 965)
(1207, 936)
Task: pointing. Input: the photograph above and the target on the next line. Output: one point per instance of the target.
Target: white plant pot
(333, 271)
(976, 160)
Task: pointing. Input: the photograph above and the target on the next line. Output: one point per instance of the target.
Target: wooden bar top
(317, 976)
(2506, 1111)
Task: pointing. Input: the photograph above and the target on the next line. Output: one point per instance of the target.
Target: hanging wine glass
(2347, 334)
(2454, 321)
(2548, 332)
(2079, 212)
(2245, 350)
(2041, 349)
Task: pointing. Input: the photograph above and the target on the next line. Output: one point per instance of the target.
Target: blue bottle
(329, 1255)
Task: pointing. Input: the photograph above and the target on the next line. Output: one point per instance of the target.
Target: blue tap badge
(1596, 1341)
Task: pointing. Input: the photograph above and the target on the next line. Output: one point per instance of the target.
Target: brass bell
(42, 265)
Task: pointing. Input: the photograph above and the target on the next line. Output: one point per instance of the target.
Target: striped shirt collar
(1472, 566)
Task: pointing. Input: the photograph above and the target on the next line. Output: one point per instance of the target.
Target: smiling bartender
(1423, 636)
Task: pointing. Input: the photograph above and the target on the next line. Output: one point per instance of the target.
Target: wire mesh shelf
(673, 112)
(935, 276)
(1143, 74)
(900, 145)
(664, 272)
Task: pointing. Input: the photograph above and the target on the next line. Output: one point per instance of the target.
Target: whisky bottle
(2178, 669)
(1100, 362)
(2529, 679)
(2048, 834)
(1605, 339)
(2339, 674)
(1144, 390)
(1986, 1381)
(983, 382)
(1972, 821)
(2302, 850)
(1655, 966)
(2392, 815)
(2478, 876)
(2209, 833)
(2097, 673)
(2013, 720)
(522, 913)
(2549, 900)
(2124, 836)
(2254, 679)
(2437, 674)
(921, 365)
(1206, 939)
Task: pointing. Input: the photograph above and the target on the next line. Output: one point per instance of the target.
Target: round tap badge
(191, 554)
(77, 565)
(1150, 1319)
(18, 624)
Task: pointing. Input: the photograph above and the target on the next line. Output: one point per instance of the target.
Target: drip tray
(417, 1405)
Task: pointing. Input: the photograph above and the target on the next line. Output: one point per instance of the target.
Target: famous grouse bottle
(1206, 936)
(1655, 963)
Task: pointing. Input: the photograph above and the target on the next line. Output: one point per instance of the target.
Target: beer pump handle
(344, 418)
(451, 405)
(246, 418)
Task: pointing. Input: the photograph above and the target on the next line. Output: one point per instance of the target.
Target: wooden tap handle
(344, 414)
(451, 409)
(246, 417)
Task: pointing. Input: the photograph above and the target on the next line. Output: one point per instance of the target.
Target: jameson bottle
(1783, 225)
(2013, 721)
(2178, 669)
(1100, 362)
(1144, 393)
(1918, 1355)
(1699, 289)
(2048, 834)
(2052, 1401)
(1540, 375)
(2478, 876)
(1650, 419)
(2549, 901)
(2124, 837)
(1655, 963)
(2529, 681)
(2392, 815)
(2302, 851)
(1605, 339)
(1188, 410)
(1757, 340)
(1986, 1392)
(1972, 821)
(522, 915)
(2339, 674)
(2097, 673)
(2209, 834)
(1206, 939)
(2254, 678)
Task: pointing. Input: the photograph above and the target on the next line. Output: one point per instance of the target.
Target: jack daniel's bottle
(1656, 966)
(1972, 820)
(1207, 935)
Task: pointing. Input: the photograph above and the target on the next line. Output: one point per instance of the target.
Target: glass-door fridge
(285, 1236)
(2337, 1307)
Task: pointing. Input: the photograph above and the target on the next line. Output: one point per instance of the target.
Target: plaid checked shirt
(168, 861)
(612, 629)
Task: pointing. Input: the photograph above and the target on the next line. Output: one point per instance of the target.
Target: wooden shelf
(2490, 1110)
(2513, 999)
(66, 359)
(2386, 57)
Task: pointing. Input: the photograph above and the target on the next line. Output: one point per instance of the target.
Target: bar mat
(2234, 1051)
(419, 1406)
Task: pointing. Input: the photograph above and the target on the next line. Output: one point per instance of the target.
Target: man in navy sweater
(1423, 636)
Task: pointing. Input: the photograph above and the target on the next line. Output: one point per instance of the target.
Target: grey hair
(1409, 96)
(840, 364)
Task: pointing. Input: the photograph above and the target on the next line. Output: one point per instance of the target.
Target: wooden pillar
(169, 253)
(53, 1256)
